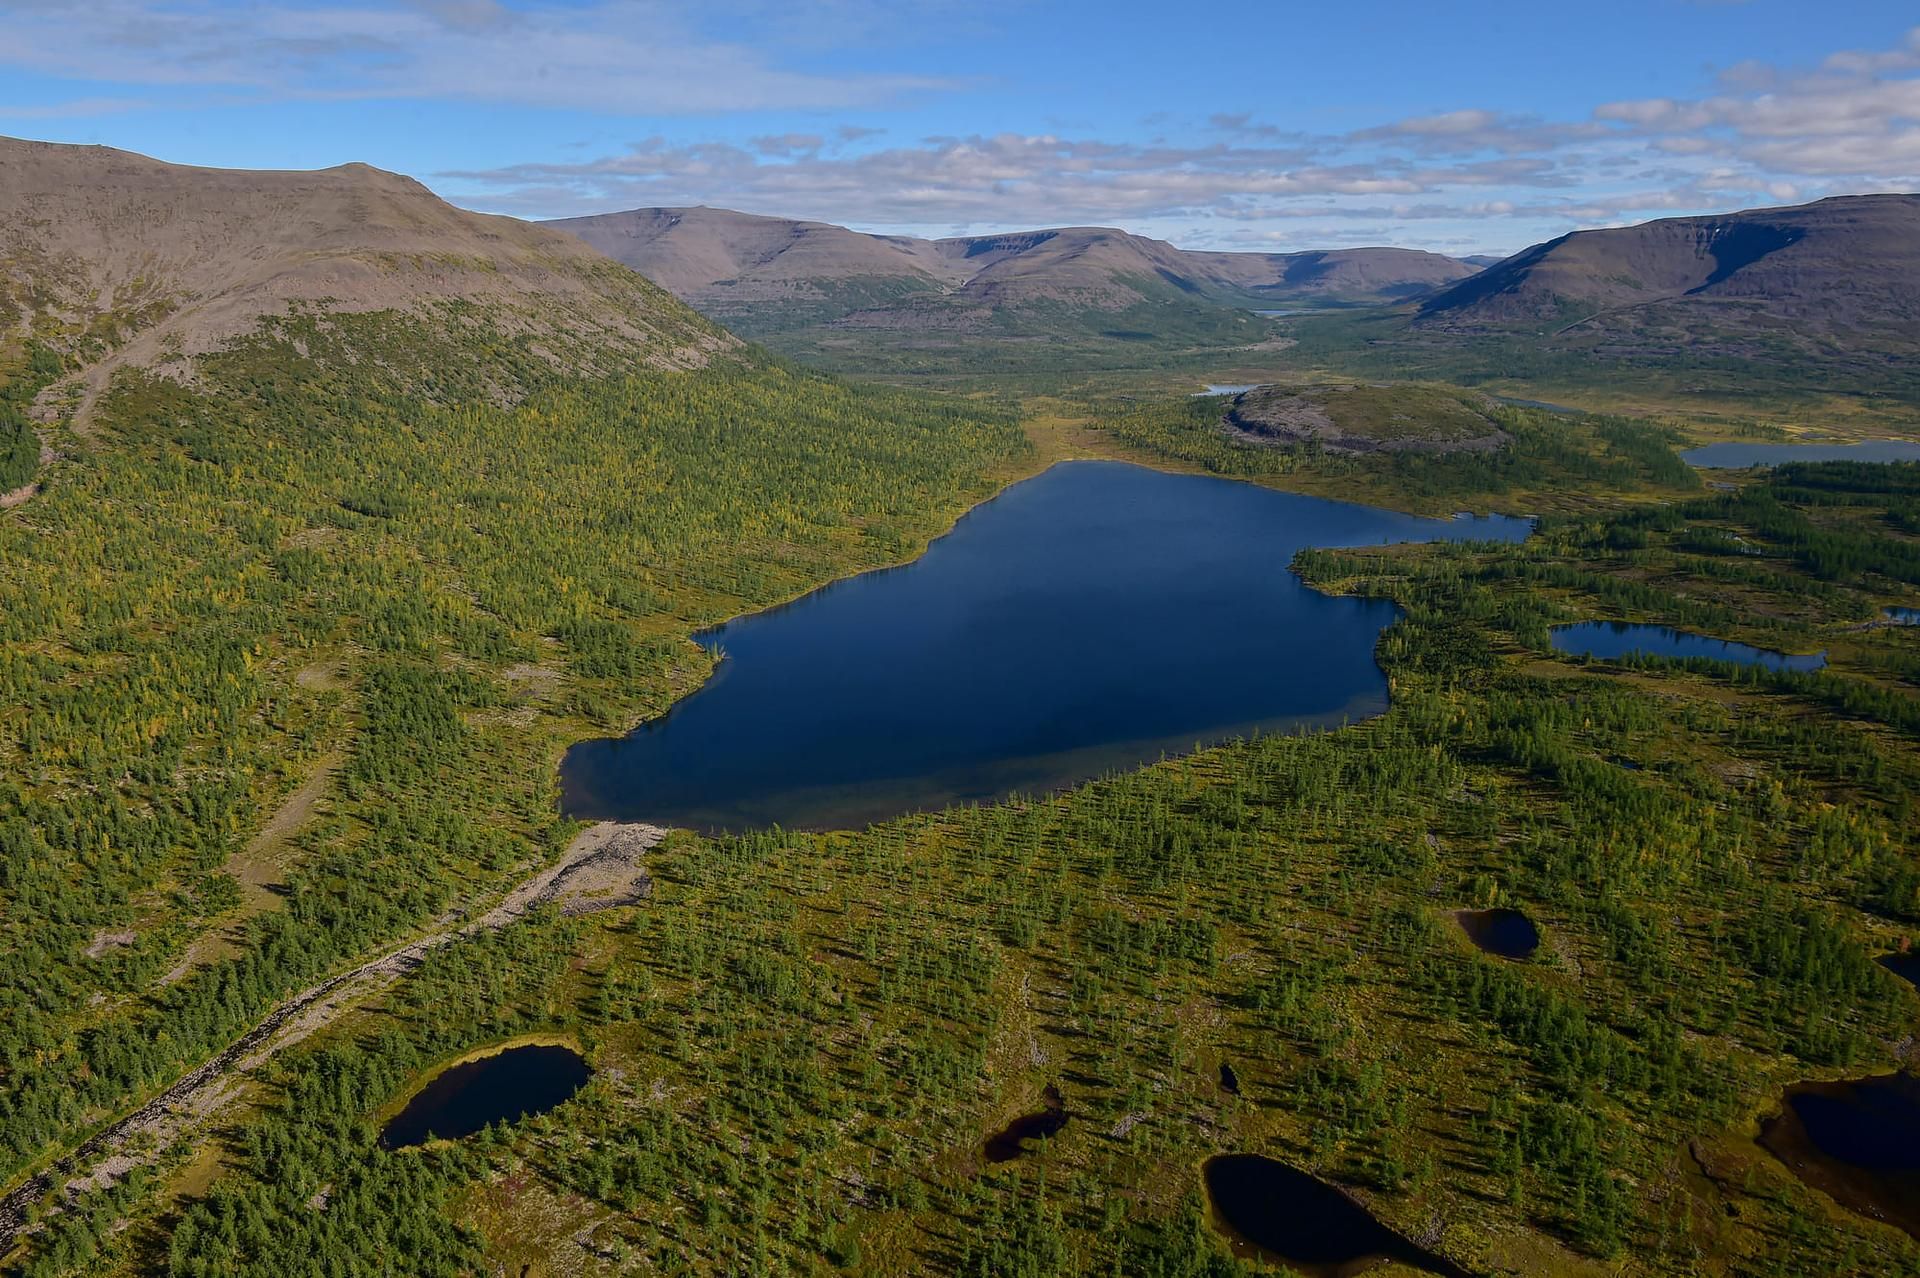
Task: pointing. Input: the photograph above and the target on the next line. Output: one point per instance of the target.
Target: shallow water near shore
(1856, 1140)
(1092, 619)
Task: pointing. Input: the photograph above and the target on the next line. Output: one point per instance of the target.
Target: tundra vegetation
(801, 1041)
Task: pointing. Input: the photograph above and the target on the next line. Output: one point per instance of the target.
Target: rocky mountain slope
(112, 258)
(1842, 263)
(1777, 304)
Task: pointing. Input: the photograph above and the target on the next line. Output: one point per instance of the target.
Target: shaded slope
(1851, 261)
(1813, 301)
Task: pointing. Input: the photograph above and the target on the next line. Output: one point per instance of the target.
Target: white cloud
(1756, 132)
(1854, 117)
(1003, 179)
(76, 108)
(615, 56)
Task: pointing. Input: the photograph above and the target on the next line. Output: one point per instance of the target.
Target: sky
(1266, 125)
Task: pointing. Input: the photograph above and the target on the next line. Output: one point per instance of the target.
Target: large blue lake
(1093, 618)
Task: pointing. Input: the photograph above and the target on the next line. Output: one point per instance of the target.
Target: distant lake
(1091, 619)
(1612, 639)
(1737, 456)
(1903, 616)
(502, 1088)
(1227, 388)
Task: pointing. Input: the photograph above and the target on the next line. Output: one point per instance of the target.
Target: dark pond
(1088, 620)
(1611, 639)
(1010, 1141)
(1857, 1141)
(1507, 933)
(1229, 1081)
(1274, 1212)
(1905, 965)
(1903, 616)
(501, 1088)
(1738, 456)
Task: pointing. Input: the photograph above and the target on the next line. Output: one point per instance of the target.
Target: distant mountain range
(119, 259)
(1782, 297)
(767, 275)
(1828, 290)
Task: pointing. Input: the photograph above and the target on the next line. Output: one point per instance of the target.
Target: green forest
(318, 563)
(307, 565)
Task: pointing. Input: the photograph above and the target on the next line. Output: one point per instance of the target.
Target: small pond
(1227, 388)
(1857, 1141)
(1010, 1141)
(1736, 455)
(502, 1088)
(1609, 640)
(1905, 965)
(1270, 1211)
(1503, 932)
(1092, 619)
(1902, 616)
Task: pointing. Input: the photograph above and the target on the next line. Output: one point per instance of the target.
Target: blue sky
(1256, 125)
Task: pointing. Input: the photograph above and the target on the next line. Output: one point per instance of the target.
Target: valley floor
(801, 1042)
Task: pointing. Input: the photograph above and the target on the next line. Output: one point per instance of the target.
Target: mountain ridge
(1841, 257)
(777, 272)
(118, 259)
